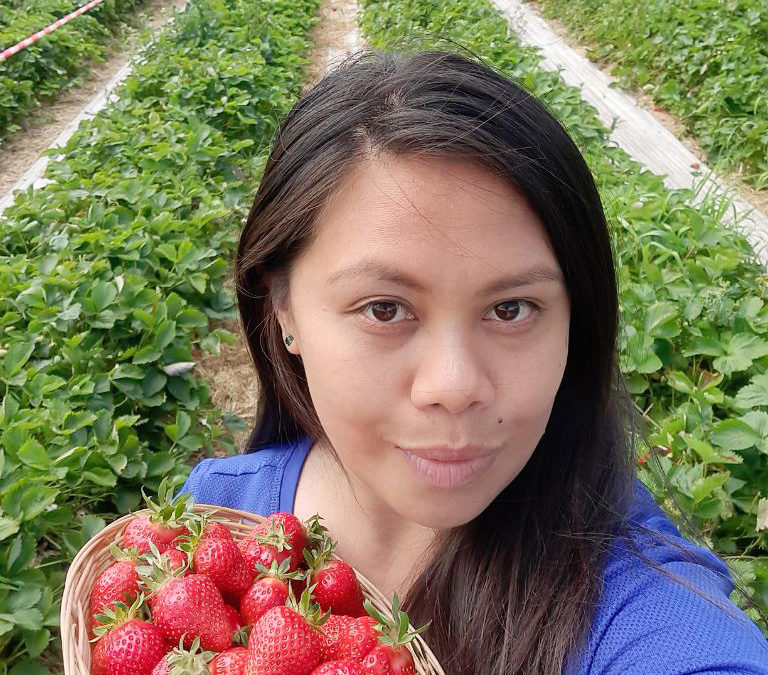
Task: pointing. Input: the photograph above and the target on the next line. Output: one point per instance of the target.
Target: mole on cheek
(499, 420)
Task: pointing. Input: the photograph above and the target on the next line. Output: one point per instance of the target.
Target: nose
(451, 373)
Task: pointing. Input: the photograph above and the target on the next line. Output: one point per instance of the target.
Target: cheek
(346, 382)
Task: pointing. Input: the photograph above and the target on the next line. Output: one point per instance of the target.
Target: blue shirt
(646, 624)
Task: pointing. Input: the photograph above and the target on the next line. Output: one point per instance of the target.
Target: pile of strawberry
(183, 597)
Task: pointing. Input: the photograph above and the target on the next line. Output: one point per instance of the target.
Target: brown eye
(512, 309)
(383, 311)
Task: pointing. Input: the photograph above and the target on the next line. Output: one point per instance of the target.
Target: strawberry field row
(694, 339)
(51, 64)
(110, 279)
(706, 61)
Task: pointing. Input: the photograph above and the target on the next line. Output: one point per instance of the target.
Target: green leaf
(36, 641)
(102, 295)
(8, 526)
(704, 487)
(148, 354)
(34, 455)
(733, 434)
(102, 477)
(754, 394)
(16, 358)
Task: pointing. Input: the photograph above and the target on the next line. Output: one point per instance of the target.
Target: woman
(427, 288)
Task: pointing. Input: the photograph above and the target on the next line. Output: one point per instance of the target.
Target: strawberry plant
(704, 60)
(38, 72)
(694, 335)
(111, 286)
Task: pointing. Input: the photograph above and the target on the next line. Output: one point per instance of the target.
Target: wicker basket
(95, 557)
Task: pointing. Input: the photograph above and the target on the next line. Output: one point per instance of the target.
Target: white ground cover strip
(637, 131)
(33, 176)
(346, 9)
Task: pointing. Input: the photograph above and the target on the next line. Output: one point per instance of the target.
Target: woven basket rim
(88, 563)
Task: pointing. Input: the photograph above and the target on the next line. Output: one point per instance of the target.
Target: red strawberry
(214, 553)
(337, 587)
(126, 644)
(391, 656)
(167, 521)
(265, 546)
(332, 630)
(217, 530)
(188, 604)
(385, 660)
(230, 662)
(118, 583)
(342, 667)
(183, 661)
(233, 617)
(294, 530)
(177, 558)
(358, 639)
(269, 590)
(286, 640)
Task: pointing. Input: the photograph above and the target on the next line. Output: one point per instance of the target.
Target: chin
(439, 515)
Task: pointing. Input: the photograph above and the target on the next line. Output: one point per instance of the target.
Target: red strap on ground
(6, 53)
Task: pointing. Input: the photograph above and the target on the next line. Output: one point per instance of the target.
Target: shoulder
(651, 624)
(251, 482)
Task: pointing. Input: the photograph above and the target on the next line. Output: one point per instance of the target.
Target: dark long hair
(512, 591)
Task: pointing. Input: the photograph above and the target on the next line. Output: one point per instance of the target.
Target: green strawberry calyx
(310, 610)
(276, 536)
(317, 557)
(130, 554)
(157, 571)
(117, 614)
(393, 632)
(317, 533)
(280, 571)
(165, 511)
(192, 661)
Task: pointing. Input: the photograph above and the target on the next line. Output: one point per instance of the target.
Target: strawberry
(295, 532)
(332, 630)
(230, 662)
(188, 604)
(342, 667)
(233, 617)
(118, 583)
(167, 521)
(214, 552)
(177, 558)
(338, 589)
(391, 656)
(265, 545)
(125, 644)
(358, 639)
(181, 661)
(286, 640)
(269, 590)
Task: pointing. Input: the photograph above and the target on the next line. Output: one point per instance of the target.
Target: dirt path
(21, 149)
(230, 373)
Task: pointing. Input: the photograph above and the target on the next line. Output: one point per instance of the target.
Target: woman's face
(429, 311)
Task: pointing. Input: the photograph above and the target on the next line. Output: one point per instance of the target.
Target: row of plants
(705, 60)
(111, 287)
(32, 76)
(694, 339)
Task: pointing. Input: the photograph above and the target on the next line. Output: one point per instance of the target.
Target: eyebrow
(534, 275)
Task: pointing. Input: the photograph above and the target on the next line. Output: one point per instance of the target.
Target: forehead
(426, 212)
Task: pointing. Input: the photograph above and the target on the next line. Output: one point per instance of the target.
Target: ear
(287, 327)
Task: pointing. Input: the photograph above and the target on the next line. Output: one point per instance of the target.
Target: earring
(289, 340)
